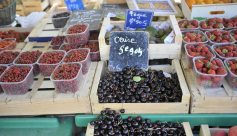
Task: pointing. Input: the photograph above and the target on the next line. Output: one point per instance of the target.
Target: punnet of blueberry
(59, 20)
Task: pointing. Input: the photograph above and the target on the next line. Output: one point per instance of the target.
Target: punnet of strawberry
(94, 35)
(219, 36)
(94, 50)
(2, 69)
(49, 60)
(212, 23)
(67, 77)
(188, 24)
(194, 36)
(16, 80)
(78, 34)
(56, 42)
(7, 44)
(231, 64)
(66, 47)
(8, 56)
(29, 57)
(230, 23)
(79, 55)
(234, 33)
(197, 50)
(209, 73)
(224, 51)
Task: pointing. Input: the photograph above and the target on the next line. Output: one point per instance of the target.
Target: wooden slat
(187, 129)
(89, 130)
(204, 131)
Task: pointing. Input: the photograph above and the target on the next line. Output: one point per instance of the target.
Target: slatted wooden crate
(220, 100)
(206, 131)
(156, 51)
(187, 129)
(42, 97)
(143, 108)
(34, 5)
(20, 10)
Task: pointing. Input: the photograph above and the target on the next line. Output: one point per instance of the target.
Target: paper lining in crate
(156, 51)
(143, 108)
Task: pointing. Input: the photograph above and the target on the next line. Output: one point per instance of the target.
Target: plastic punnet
(36, 69)
(197, 32)
(47, 69)
(189, 59)
(68, 85)
(11, 46)
(85, 63)
(212, 43)
(5, 67)
(207, 80)
(78, 38)
(231, 77)
(11, 51)
(220, 45)
(186, 29)
(60, 22)
(18, 88)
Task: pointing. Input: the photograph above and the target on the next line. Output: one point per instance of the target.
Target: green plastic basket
(7, 15)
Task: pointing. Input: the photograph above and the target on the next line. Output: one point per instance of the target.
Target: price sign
(74, 5)
(128, 48)
(137, 19)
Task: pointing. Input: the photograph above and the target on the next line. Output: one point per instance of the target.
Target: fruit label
(137, 19)
(74, 5)
(92, 17)
(128, 48)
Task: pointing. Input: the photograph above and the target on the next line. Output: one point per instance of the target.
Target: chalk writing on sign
(74, 5)
(137, 19)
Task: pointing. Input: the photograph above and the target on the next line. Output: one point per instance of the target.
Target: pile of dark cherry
(154, 87)
(110, 123)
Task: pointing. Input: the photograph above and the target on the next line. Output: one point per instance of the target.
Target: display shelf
(42, 97)
(156, 51)
(218, 100)
(37, 126)
(143, 108)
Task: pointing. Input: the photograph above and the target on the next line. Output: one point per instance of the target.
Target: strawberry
(213, 67)
(202, 23)
(229, 62)
(229, 54)
(199, 64)
(189, 46)
(192, 54)
(224, 41)
(209, 27)
(229, 48)
(209, 56)
(204, 26)
(204, 69)
(186, 39)
(221, 71)
(219, 20)
(233, 66)
(205, 49)
(198, 49)
(211, 72)
(235, 61)
(193, 38)
(198, 40)
(194, 23)
(216, 32)
(216, 79)
(198, 35)
(218, 39)
(229, 25)
(203, 54)
(217, 50)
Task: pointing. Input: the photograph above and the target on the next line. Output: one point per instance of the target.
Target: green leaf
(138, 29)
(142, 79)
(151, 30)
(137, 78)
(120, 16)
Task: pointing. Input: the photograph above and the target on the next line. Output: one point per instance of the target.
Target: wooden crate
(187, 129)
(20, 10)
(203, 11)
(143, 108)
(156, 51)
(206, 131)
(43, 99)
(179, 13)
(221, 100)
(34, 5)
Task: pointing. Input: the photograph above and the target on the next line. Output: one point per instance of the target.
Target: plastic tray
(206, 80)
(85, 63)
(55, 47)
(11, 51)
(68, 85)
(61, 21)
(61, 47)
(8, 14)
(218, 45)
(95, 56)
(197, 32)
(78, 38)
(230, 28)
(36, 69)
(47, 69)
(186, 29)
(11, 46)
(189, 59)
(231, 31)
(5, 66)
(204, 30)
(231, 78)
(18, 88)
(212, 43)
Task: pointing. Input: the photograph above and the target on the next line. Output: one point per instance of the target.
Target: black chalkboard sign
(116, 9)
(92, 17)
(128, 48)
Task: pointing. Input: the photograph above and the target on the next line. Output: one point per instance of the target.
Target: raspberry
(7, 57)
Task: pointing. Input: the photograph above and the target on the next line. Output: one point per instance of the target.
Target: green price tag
(120, 16)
